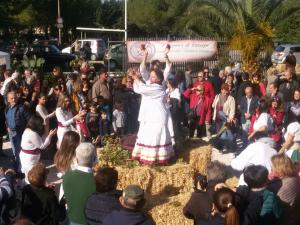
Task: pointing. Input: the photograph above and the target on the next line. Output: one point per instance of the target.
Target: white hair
(85, 154)
(228, 69)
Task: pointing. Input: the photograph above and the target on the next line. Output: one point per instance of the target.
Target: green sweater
(78, 186)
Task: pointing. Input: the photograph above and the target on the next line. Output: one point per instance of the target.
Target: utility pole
(125, 22)
(125, 37)
(59, 21)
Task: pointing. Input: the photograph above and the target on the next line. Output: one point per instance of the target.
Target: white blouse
(42, 111)
(64, 117)
(32, 140)
(264, 119)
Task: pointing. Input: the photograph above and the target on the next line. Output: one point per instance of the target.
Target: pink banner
(181, 51)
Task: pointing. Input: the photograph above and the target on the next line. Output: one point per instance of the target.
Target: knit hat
(133, 192)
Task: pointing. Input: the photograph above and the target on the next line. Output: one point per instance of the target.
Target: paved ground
(5, 162)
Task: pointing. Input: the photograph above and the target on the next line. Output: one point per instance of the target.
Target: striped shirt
(6, 190)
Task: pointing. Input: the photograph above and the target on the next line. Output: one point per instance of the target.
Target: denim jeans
(15, 140)
(245, 130)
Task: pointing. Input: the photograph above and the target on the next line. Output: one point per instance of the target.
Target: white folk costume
(154, 139)
(31, 146)
(42, 111)
(65, 121)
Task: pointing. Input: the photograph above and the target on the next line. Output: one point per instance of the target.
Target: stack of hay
(168, 188)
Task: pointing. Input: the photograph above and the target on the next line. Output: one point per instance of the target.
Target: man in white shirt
(258, 153)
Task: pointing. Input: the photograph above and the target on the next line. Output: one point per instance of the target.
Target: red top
(204, 111)
(208, 89)
(277, 117)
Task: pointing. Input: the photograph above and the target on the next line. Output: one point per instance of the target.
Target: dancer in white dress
(155, 137)
(42, 111)
(32, 143)
(65, 117)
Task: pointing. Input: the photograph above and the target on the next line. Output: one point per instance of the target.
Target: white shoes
(206, 139)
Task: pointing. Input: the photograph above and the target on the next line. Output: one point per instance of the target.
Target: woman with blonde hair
(65, 117)
(286, 184)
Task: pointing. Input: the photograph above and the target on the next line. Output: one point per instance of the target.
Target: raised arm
(143, 70)
(168, 63)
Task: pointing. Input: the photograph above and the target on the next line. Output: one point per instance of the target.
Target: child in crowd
(224, 210)
(93, 119)
(105, 128)
(118, 119)
(258, 205)
(82, 129)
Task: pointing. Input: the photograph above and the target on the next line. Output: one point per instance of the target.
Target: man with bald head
(247, 106)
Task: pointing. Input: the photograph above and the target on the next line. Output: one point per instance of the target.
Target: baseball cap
(133, 192)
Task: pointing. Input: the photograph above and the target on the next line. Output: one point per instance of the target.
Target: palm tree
(248, 25)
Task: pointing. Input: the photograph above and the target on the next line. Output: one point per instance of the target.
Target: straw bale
(199, 157)
(141, 175)
(172, 179)
(168, 210)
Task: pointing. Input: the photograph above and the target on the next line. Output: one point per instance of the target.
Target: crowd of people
(70, 116)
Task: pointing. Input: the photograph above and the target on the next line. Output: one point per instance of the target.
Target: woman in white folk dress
(65, 118)
(42, 111)
(155, 137)
(32, 143)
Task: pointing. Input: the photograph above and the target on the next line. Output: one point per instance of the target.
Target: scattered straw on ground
(168, 210)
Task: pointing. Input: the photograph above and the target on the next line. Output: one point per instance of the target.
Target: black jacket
(241, 89)
(99, 205)
(40, 205)
(126, 216)
(243, 107)
(287, 89)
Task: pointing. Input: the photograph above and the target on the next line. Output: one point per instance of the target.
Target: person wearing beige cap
(132, 201)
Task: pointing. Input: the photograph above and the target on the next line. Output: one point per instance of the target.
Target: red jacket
(277, 117)
(204, 112)
(208, 89)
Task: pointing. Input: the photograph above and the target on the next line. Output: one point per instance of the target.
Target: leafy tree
(156, 16)
(248, 24)
(288, 30)
(110, 14)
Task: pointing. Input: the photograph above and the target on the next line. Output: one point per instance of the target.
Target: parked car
(51, 54)
(114, 56)
(281, 52)
(98, 48)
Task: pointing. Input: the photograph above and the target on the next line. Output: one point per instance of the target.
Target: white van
(98, 47)
(281, 52)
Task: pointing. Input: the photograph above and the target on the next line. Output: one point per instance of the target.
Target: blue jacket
(22, 115)
(127, 217)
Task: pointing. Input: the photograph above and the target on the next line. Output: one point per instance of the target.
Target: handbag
(193, 113)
